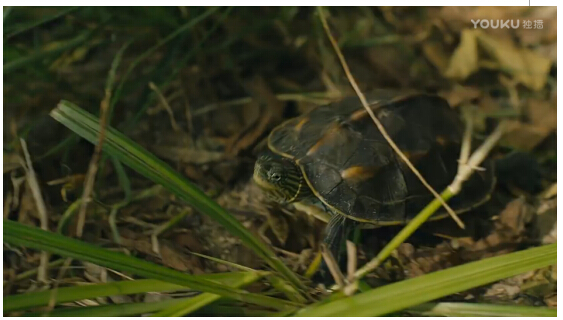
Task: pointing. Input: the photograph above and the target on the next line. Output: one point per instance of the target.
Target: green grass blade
(12, 66)
(455, 309)
(218, 310)
(113, 310)
(191, 305)
(132, 309)
(26, 26)
(61, 295)
(132, 155)
(282, 286)
(412, 292)
(7, 11)
(19, 234)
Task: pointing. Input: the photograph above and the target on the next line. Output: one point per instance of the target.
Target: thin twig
(17, 184)
(93, 166)
(378, 123)
(189, 118)
(166, 106)
(54, 291)
(466, 143)
(332, 266)
(165, 226)
(312, 97)
(41, 209)
(8, 204)
(26, 274)
(465, 170)
(352, 259)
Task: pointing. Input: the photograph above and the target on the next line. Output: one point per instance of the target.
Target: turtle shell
(353, 170)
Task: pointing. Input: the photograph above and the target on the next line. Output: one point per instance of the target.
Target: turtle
(335, 159)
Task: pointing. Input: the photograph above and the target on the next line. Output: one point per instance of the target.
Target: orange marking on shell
(415, 156)
(301, 123)
(359, 173)
(330, 133)
(441, 140)
(383, 113)
(357, 115)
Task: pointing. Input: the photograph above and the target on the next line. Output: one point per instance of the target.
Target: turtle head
(280, 178)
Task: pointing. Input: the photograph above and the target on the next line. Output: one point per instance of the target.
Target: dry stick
(41, 208)
(378, 123)
(352, 259)
(352, 285)
(166, 106)
(93, 166)
(53, 298)
(8, 204)
(466, 143)
(466, 169)
(313, 97)
(165, 226)
(16, 183)
(332, 265)
(27, 274)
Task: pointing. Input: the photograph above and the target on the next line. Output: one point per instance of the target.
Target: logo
(507, 24)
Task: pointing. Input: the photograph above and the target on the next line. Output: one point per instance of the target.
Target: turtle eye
(275, 176)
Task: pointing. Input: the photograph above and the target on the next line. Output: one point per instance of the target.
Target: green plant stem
(408, 230)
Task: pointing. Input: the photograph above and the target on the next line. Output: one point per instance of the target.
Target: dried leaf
(542, 113)
(551, 237)
(11, 162)
(189, 240)
(515, 216)
(525, 66)
(551, 301)
(460, 94)
(176, 260)
(186, 155)
(436, 53)
(171, 257)
(279, 226)
(271, 110)
(501, 290)
(550, 192)
(523, 136)
(464, 60)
